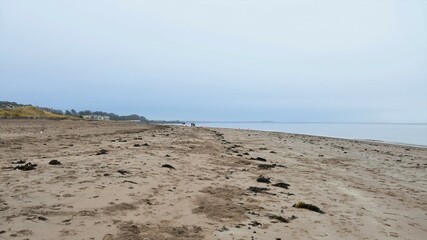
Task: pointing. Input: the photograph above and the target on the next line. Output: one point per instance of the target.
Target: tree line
(112, 116)
(72, 112)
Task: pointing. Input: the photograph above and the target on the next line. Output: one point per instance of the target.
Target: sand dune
(133, 181)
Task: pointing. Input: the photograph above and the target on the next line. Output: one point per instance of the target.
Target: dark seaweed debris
(266, 166)
(101, 152)
(127, 181)
(270, 166)
(168, 166)
(27, 167)
(259, 159)
(54, 162)
(278, 218)
(308, 206)
(282, 185)
(263, 179)
(258, 189)
(255, 223)
(123, 172)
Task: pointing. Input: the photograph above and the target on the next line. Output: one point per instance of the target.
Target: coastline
(407, 134)
(332, 137)
(176, 182)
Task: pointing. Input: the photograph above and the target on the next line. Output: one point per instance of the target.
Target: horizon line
(294, 122)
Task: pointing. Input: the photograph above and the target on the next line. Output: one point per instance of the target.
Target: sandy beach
(116, 180)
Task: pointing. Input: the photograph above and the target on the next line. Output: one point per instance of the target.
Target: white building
(96, 117)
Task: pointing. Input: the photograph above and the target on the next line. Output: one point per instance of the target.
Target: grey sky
(287, 60)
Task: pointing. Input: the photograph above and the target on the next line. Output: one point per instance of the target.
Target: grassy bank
(30, 112)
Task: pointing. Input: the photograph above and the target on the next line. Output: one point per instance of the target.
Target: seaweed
(27, 167)
(123, 171)
(266, 166)
(263, 179)
(101, 152)
(278, 218)
(308, 206)
(54, 162)
(168, 166)
(258, 189)
(282, 185)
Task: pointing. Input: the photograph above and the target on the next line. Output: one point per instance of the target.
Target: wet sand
(176, 182)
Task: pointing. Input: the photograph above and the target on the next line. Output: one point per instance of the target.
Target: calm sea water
(413, 134)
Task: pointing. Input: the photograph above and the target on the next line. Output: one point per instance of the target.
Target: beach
(123, 180)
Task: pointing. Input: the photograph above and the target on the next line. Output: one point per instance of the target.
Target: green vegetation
(16, 110)
(6, 104)
(29, 112)
(111, 115)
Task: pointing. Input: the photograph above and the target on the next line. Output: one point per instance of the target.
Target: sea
(397, 133)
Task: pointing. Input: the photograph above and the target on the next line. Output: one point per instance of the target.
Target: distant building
(9, 107)
(96, 117)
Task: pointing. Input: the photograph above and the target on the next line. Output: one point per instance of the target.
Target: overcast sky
(281, 60)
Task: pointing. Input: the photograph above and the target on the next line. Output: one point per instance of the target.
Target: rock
(145, 144)
(263, 179)
(137, 145)
(54, 162)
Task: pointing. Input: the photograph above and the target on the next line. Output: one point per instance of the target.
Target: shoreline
(324, 136)
(119, 181)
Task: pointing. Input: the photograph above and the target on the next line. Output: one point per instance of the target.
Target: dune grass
(29, 112)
